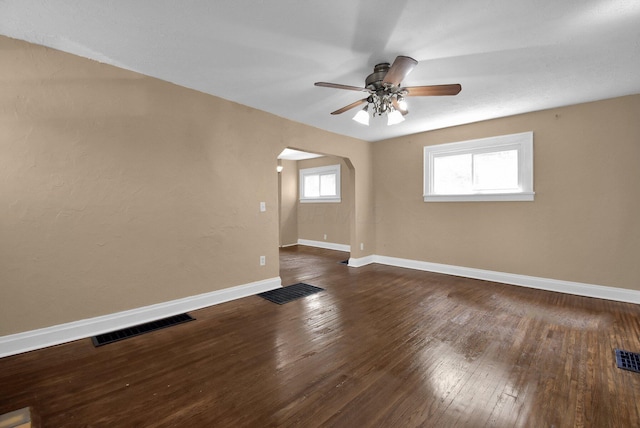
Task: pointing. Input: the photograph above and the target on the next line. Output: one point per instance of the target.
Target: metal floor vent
(125, 333)
(628, 360)
(289, 293)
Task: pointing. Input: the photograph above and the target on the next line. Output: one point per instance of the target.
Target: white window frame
(321, 170)
(522, 142)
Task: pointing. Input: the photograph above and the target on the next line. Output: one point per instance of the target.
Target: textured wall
(119, 191)
(583, 225)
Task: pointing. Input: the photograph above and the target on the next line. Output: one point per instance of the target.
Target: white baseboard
(362, 261)
(568, 287)
(325, 245)
(62, 333)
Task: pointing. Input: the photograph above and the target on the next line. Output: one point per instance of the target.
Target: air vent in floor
(289, 293)
(628, 360)
(125, 333)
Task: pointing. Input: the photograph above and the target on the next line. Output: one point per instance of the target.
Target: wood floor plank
(381, 346)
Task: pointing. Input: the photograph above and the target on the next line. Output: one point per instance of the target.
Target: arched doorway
(318, 223)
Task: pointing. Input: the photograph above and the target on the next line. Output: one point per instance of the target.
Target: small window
(488, 169)
(321, 184)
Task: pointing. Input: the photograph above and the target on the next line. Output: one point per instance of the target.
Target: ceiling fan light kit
(386, 93)
(362, 116)
(402, 104)
(394, 117)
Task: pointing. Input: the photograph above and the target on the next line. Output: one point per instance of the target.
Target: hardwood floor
(381, 346)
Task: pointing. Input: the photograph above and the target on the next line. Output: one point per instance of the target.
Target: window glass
(495, 170)
(328, 185)
(452, 174)
(311, 186)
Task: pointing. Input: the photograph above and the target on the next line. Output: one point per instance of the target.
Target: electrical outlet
(263, 206)
(361, 246)
(263, 260)
(325, 236)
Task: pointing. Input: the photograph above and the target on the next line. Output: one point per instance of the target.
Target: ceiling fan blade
(339, 86)
(350, 106)
(421, 91)
(400, 69)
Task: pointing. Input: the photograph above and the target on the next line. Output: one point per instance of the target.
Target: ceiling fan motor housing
(374, 80)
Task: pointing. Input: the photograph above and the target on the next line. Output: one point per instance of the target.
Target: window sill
(321, 201)
(496, 197)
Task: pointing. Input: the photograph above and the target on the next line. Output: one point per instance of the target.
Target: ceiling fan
(386, 93)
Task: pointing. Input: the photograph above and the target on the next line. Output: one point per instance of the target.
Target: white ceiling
(296, 155)
(510, 56)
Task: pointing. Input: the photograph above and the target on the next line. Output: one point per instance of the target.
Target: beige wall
(119, 190)
(288, 203)
(583, 225)
(333, 219)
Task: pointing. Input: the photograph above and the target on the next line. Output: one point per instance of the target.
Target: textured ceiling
(509, 56)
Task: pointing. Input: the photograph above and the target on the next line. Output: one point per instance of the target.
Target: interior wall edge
(62, 333)
(357, 262)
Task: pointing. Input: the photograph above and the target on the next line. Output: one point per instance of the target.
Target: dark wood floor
(381, 346)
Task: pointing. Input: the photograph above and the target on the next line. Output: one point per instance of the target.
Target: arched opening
(323, 223)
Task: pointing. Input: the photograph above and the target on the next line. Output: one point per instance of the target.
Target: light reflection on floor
(312, 321)
(484, 391)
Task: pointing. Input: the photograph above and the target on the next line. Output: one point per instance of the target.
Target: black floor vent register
(125, 333)
(628, 360)
(289, 293)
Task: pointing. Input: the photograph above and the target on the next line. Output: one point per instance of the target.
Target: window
(488, 169)
(321, 184)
